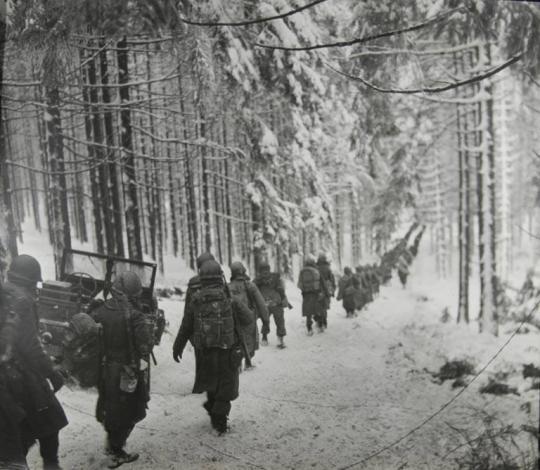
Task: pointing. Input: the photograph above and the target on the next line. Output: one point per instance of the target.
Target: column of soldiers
(220, 322)
(357, 290)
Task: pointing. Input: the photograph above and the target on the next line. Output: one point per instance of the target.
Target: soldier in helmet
(123, 389)
(211, 322)
(243, 290)
(26, 368)
(309, 282)
(272, 289)
(328, 282)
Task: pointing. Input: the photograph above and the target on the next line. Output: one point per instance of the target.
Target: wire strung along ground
(449, 402)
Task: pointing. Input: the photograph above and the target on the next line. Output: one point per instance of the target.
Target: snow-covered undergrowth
(329, 400)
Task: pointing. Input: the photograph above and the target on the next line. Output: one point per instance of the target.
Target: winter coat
(246, 292)
(126, 340)
(214, 366)
(27, 371)
(348, 291)
(403, 265)
(327, 278)
(272, 289)
(309, 282)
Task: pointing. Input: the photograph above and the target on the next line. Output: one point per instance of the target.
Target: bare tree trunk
(59, 186)
(94, 184)
(133, 226)
(8, 234)
(114, 185)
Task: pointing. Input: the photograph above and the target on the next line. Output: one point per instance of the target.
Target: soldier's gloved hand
(176, 355)
(57, 380)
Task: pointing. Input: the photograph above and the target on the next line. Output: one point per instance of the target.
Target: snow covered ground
(325, 401)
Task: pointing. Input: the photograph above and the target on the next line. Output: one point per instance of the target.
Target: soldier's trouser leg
(279, 320)
(309, 321)
(217, 406)
(117, 437)
(48, 449)
(12, 448)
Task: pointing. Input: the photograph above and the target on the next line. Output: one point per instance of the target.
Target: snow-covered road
(324, 402)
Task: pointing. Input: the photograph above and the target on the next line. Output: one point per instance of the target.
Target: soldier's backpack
(82, 350)
(310, 280)
(271, 289)
(213, 319)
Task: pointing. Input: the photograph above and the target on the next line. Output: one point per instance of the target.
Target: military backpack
(213, 319)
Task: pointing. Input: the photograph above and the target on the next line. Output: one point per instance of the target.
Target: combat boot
(281, 344)
(120, 457)
(219, 423)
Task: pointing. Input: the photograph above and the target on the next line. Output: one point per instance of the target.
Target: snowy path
(324, 402)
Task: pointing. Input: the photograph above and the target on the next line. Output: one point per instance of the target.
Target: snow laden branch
(253, 21)
(364, 39)
(451, 86)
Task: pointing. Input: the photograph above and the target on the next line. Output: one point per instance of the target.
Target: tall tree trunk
(59, 187)
(207, 227)
(193, 234)
(133, 226)
(114, 185)
(94, 183)
(100, 153)
(485, 194)
(8, 234)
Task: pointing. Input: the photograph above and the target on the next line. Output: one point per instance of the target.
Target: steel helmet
(210, 272)
(203, 258)
(127, 283)
(25, 269)
(237, 269)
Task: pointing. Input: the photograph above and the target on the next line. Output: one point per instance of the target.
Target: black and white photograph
(269, 234)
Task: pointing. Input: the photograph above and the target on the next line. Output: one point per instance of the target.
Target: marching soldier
(211, 322)
(123, 389)
(243, 290)
(273, 291)
(309, 282)
(329, 284)
(26, 370)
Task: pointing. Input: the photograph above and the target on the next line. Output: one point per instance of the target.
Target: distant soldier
(245, 291)
(347, 291)
(211, 322)
(123, 389)
(272, 289)
(402, 267)
(309, 282)
(329, 285)
(26, 370)
(527, 290)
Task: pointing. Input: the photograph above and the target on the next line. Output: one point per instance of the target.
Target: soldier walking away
(309, 283)
(402, 267)
(348, 291)
(246, 292)
(329, 285)
(211, 322)
(32, 409)
(272, 289)
(123, 388)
